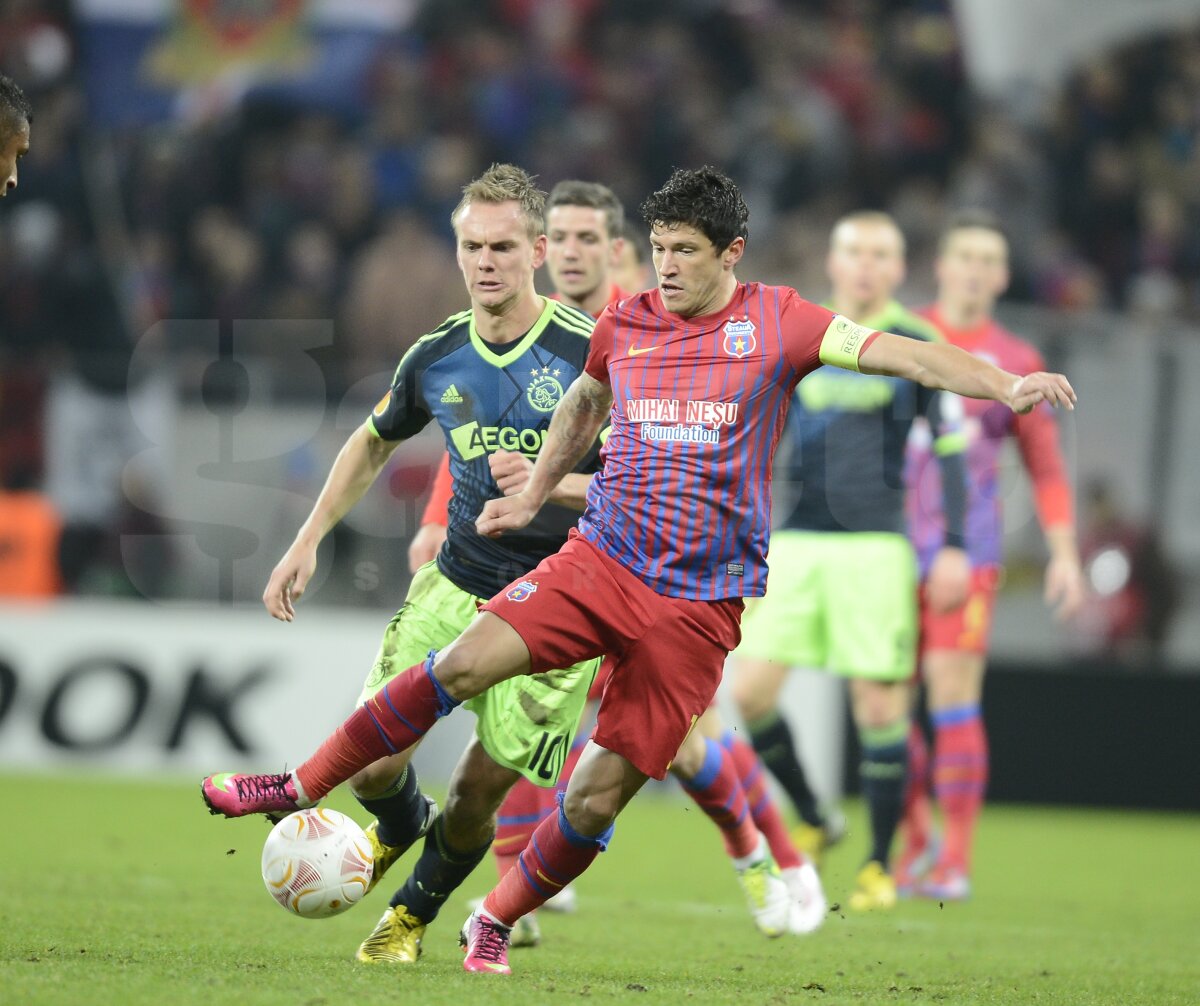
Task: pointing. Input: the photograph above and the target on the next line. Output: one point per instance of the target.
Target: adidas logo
(451, 396)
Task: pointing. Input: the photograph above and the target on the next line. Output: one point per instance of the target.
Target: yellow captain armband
(842, 342)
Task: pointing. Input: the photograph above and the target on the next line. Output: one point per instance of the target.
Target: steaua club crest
(523, 591)
(739, 338)
(544, 391)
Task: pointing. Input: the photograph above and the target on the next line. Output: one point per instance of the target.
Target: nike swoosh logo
(634, 351)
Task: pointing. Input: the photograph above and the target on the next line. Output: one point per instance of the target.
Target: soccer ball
(317, 863)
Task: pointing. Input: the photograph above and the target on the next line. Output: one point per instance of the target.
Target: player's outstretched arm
(573, 430)
(360, 460)
(940, 365)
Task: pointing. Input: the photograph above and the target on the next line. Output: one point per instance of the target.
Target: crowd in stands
(265, 210)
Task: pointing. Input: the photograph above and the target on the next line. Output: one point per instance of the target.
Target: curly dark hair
(14, 107)
(703, 198)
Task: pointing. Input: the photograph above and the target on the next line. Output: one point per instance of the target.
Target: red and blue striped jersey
(684, 497)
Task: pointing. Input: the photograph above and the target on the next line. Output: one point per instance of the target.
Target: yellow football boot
(874, 889)
(396, 940)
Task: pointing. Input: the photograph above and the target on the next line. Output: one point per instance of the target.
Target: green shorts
(840, 601)
(526, 723)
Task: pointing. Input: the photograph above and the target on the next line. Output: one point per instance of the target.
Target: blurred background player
(843, 574)
(16, 119)
(972, 273)
(490, 374)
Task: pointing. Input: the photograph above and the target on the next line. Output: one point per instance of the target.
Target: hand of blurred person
(1032, 389)
(949, 580)
(1064, 588)
(426, 544)
(289, 580)
(511, 471)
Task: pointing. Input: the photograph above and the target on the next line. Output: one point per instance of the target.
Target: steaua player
(972, 273)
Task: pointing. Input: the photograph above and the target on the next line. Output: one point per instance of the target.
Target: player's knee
(464, 670)
(591, 811)
(690, 758)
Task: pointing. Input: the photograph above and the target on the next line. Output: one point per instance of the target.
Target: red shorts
(600, 682)
(666, 653)
(968, 627)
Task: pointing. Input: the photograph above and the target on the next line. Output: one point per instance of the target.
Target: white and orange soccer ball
(317, 863)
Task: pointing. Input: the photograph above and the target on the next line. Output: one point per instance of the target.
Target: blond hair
(503, 183)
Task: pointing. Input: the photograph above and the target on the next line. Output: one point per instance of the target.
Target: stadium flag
(148, 60)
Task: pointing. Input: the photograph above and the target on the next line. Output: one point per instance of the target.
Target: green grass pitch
(130, 893)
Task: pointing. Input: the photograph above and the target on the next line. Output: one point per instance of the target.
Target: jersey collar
(522, 344)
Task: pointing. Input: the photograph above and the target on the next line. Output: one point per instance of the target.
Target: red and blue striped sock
(718, 792)
(525, 807)
(960, 773)
(555, 856)
(917, 820)
(392, 720)
(763, 809)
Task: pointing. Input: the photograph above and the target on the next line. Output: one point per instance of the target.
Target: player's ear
(733, 253)
(540, 244)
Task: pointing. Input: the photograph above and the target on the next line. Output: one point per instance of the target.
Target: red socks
(522, 811)
(718, 793)
(918, 812)
(555, 855)
(960, 771)
(392, 720)
(765, 814)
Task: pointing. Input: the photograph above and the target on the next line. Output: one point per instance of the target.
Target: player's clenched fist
(510, 470)
(1031, 389)
(510, 513)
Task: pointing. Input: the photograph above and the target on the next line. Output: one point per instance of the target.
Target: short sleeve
(804, 324)
(402, 412)
(600, 347)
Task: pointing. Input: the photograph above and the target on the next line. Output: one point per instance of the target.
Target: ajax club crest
(544, 392)
(739, 338)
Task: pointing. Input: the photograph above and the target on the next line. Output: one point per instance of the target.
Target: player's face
(579, 252)
(495, 253)
(691, 268)
(865, 262)
(972, 270)
(12, 150)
